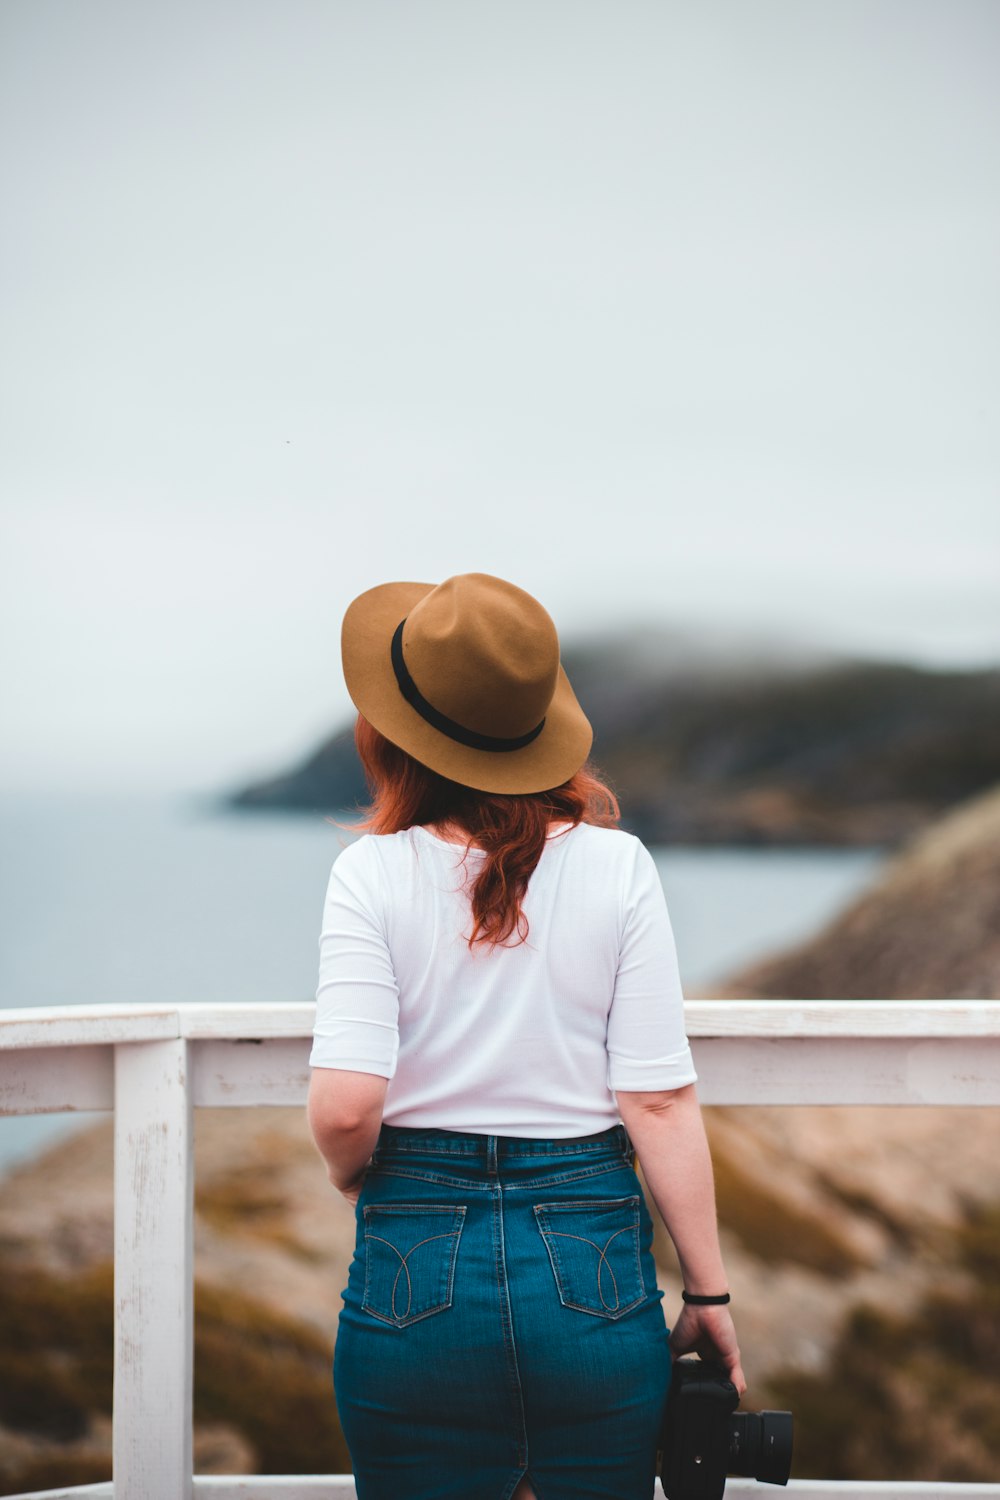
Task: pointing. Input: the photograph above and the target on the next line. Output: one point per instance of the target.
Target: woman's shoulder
(370, 864)
(387, 849)
(354, 856)
(607, 844)
(365, 847)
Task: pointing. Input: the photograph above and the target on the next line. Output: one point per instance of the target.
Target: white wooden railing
(153, 1064)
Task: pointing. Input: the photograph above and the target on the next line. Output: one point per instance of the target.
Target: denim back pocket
(594, 1249)
(410, 1253)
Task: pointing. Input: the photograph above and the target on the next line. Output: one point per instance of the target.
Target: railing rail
(154, 1064)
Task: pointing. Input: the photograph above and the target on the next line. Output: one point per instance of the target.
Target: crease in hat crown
(465, 676)
(484, 653)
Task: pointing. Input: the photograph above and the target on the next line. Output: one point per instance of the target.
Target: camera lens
(760, 1445)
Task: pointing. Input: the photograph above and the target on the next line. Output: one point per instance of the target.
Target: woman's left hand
(709, 1332)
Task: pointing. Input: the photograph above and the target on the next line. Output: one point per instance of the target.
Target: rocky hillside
(823, 1211)
(928, 929)
(740, 749)
(912, 1391)
(900, 1380)
(272, 1244)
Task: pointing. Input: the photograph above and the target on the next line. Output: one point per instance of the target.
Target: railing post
(154, 1272)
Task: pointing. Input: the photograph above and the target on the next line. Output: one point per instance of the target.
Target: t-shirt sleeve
(647, 1044)
(357, 998)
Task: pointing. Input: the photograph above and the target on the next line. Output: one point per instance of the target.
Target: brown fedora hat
(465, 676)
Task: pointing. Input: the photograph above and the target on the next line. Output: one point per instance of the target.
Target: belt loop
(491, 1155)
(628, 1150)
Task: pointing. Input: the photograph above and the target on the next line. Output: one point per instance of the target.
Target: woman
(499, 1026)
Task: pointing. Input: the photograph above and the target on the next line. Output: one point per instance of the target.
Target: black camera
(704, 1437)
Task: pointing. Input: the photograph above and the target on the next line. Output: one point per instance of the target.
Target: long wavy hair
(511, 828)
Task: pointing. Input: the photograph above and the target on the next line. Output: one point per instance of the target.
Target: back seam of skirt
(510, 1350)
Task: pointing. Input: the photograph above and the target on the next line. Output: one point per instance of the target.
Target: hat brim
(552, 758)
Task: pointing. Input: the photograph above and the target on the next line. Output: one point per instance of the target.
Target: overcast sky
(680, 313)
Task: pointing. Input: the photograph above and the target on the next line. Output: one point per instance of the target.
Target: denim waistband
(397, 1139)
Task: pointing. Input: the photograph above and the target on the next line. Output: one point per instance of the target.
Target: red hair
(510, 827)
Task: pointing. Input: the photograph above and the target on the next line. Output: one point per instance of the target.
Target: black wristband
(696, 1300)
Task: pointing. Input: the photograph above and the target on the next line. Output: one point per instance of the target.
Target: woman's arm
(345, 1117)
(668, 1133)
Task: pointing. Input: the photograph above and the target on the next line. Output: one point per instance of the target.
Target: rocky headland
(739, 748)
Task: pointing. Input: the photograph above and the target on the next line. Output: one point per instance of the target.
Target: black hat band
(440, 721)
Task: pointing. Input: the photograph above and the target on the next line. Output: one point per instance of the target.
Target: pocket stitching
(602, 1262)
(404, 1320)
(550, 1234)
(401, 1317)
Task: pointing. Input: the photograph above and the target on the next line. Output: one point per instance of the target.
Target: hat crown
(484, 653)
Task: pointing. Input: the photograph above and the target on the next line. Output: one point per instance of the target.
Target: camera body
(704, 1438)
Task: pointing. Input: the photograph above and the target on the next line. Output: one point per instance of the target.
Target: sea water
(156, 899)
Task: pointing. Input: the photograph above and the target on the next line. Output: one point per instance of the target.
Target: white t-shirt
(530, 1040)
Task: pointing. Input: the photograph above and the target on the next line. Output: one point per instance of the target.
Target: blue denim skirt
(502, 1317)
